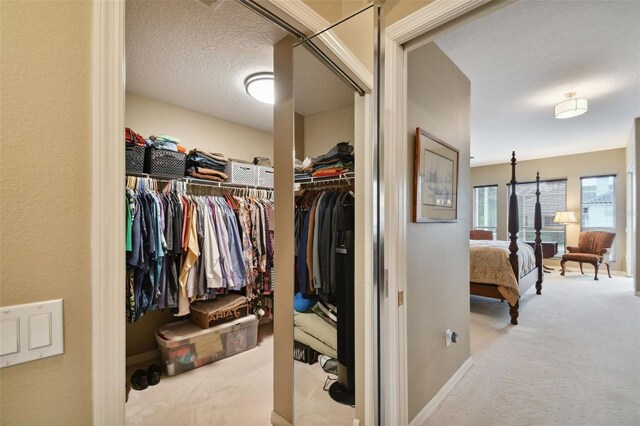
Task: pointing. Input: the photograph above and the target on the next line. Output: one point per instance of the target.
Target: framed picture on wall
(435, 196)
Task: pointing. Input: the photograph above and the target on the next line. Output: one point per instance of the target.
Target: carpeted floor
(574, 358)
(237, 391)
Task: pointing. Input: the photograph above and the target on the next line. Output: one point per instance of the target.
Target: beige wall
(45, 209)
(195, 130)
(334, 10)
(395, 10)
(299, 137)
(571, 167)
(635, 212)
(357, 35)
(632, 162)
(323, 130)
(437, 284)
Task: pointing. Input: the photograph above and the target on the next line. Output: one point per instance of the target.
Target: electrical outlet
(450, 337)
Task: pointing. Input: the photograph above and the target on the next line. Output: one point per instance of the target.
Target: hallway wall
(437, 253)
(45, 170)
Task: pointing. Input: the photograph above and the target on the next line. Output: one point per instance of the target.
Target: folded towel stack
(165, 142)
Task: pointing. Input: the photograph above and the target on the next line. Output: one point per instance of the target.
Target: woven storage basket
(265, 176)
(165, 163)
(241, 173)
(134, 158)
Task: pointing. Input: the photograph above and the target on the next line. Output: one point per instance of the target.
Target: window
(598, 204)
(553, 198)
(485, 208)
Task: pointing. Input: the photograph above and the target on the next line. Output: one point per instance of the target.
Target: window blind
(553, 198)
(485, 208)
(598, 204)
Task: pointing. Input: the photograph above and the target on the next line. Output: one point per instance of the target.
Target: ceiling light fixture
(260, 87)
(572, 107)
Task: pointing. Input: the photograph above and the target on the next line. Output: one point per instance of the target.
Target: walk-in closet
(206, 281)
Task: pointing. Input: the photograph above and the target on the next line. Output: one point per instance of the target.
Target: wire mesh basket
(134, 158)
(162, 162)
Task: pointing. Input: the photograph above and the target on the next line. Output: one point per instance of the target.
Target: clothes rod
(202, 182)
(315, 50)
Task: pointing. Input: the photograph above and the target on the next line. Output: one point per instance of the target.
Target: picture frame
(435, 195)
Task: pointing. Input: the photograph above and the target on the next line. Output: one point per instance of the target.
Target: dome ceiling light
(260, 87)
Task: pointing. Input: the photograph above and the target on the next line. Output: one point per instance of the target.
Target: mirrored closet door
(330, 140)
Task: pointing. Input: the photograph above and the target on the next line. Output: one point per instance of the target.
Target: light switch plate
(30, 332)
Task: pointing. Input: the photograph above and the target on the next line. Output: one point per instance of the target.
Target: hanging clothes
(182, 248)
(319, 217)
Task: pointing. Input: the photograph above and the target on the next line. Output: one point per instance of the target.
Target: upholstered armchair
(594, 247)
(478, 234)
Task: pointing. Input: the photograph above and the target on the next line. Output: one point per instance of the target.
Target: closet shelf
(338, 178)
(203, 182)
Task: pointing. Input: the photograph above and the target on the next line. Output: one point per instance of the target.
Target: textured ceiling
(521, 61)
(197, 57)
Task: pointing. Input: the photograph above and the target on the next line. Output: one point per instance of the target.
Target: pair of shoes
(141, 379)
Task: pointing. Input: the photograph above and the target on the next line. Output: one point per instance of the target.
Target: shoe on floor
(154, 373)
(139, 380)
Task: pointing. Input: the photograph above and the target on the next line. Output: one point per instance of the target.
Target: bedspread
(489, 264)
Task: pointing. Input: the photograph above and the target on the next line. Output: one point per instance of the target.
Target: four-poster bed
(494, 265)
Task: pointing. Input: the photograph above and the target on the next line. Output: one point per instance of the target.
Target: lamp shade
(565, 218)
(572, 107)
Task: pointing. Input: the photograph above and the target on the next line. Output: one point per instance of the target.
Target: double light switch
(30, 332)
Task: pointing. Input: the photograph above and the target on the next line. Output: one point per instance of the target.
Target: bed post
(538, 240)
(514, 227)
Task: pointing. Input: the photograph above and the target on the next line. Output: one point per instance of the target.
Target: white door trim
(396, 154)
(107, 198)
(107, 207)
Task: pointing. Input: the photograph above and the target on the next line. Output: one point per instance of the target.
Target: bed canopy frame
(534, 276)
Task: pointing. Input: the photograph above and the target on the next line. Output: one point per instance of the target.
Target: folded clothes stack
(166, 142)
(206, 165)
(132, 138)
(262, 161)
(335, 162)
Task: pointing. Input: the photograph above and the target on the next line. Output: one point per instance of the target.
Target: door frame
(394, 134)
(108, 195)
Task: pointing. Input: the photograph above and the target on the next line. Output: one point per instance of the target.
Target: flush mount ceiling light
(572, 107)
(260, 87)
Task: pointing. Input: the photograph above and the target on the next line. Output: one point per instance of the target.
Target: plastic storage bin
(265, 176)
(184, 346)
(241, 173)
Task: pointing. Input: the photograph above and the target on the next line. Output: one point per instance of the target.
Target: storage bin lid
(183, 330)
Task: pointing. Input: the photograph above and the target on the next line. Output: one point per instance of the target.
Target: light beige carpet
(574, 358)
(236, 391)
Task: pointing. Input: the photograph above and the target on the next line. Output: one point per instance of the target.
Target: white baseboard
(278, 420)
(356, 422)
(431, 406)
(143, 357)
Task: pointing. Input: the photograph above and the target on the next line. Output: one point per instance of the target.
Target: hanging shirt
(192, 254)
